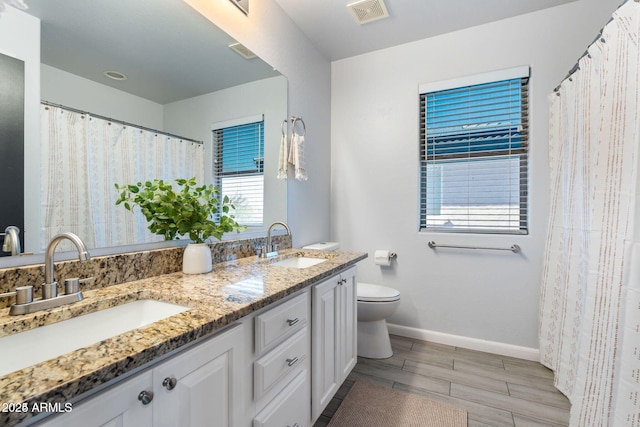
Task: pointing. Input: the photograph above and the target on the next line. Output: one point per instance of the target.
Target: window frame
(522, 73)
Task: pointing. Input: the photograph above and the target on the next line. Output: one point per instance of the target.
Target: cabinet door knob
(343, 281)
(145, 397)
(292, 322)
(169, 383)
(292, 362)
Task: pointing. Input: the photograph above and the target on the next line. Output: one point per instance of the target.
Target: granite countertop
(231, 291)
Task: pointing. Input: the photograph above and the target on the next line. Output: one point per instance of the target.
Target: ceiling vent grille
(242, 50)
(365, 11)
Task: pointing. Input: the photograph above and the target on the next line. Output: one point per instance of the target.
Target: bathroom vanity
(261, 344)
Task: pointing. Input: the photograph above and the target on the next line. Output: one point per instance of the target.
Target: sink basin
(299, 262)
(28, 348)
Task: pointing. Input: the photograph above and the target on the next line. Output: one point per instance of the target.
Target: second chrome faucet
(268, 250)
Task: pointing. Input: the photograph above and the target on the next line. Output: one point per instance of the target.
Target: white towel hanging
(284, 150)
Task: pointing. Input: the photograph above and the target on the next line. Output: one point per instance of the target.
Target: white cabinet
(281, 384)
(324, 343)
(201, 386)
(297, 364)
(348, 324)
(289, 408)
(334, 351)
(279, 362)
(281, 321)
(117, 407)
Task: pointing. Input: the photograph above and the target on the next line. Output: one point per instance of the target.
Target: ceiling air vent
(241, 50)
(365, 11)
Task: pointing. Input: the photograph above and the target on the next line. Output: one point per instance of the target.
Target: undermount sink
(28, 348)
(299, 262)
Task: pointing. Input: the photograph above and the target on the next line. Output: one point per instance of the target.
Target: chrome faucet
(83, 254)
(12, 240)
(267, 251)
(24, 295)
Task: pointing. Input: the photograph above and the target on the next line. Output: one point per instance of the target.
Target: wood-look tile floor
(495, 390)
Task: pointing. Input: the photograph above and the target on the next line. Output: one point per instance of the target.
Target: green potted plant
(188, 211)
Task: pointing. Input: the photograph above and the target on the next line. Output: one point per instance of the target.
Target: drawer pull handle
(169, 383)
(295, 425)
(292, 322)
(145, 397)
(292, 362)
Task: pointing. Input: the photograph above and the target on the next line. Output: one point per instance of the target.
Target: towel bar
(293, 120)
(514, 248)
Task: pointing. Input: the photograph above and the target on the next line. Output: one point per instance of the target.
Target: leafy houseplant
(187, 211)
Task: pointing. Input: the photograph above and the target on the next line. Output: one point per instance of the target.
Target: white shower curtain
(84, 156)
(590, 302)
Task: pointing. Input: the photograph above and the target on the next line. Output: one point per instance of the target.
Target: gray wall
(482, 295)
(270, 33)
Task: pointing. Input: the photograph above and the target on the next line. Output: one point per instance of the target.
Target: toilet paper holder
(384, 258)
(393, 255)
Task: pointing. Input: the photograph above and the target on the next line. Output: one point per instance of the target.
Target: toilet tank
(324, 246)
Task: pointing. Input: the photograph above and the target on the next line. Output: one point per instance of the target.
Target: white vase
(197, 259)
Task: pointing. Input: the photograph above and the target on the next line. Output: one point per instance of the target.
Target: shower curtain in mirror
(84, 156)
(590, 298)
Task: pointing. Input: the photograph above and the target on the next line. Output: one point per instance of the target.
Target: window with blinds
(238, 168)
(473, 157)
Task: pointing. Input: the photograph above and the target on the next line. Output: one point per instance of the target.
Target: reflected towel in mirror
(282, 159)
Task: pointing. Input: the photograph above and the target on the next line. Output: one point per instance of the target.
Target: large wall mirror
(182, 78)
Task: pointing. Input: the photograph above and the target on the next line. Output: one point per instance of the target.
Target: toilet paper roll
(382, 257)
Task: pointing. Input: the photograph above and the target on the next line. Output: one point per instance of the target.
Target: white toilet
(375, 304)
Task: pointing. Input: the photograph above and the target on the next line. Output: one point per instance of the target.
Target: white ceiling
(331, 26)
(167, 50)
(170, 52)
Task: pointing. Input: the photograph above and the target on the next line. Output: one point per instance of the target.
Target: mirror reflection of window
(238, 166)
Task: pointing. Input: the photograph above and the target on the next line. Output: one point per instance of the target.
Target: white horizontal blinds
(239, 169)
(473, 150)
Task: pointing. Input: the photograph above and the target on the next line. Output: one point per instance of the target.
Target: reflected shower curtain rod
(109, 119)
(576, 66)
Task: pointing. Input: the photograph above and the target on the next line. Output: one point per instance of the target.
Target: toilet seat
(368, 292)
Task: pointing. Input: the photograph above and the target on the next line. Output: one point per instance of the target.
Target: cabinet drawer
(288, 408)
(279, 362)
(280, 322)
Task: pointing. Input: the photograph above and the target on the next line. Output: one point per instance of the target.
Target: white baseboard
(494, 347)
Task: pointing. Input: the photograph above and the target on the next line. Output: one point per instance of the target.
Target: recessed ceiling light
(115, 75)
